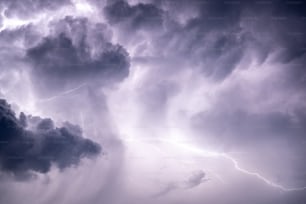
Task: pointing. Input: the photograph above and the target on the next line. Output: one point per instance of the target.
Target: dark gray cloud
(78, 52)
(33, 144)
(216, 35)
(169, 188)
(212, 41)
(137, 16)
(194, 180)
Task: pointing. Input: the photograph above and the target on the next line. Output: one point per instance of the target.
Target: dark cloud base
(33, 144)
(137, 16)
(78, 52)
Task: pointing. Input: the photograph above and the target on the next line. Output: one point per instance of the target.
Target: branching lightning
(214, 154)
(236, 164)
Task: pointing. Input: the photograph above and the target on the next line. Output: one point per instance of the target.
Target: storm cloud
(78, 52)
(137, 16)
(33, 144)
(166, 87)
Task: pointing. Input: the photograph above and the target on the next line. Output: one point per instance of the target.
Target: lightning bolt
(67, 92)
(235, 163)
(214, 154)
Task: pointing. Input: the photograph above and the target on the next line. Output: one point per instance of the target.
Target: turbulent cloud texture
(78, 52)
(32, 144)
(190, 100)
(137, 16)
(26, 8)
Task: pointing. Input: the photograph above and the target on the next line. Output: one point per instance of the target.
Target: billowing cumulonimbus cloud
(77, 52)
(33, 144)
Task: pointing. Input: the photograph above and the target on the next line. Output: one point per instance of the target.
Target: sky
(152, 101)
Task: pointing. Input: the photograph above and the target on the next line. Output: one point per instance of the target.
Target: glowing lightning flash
(204, 153)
